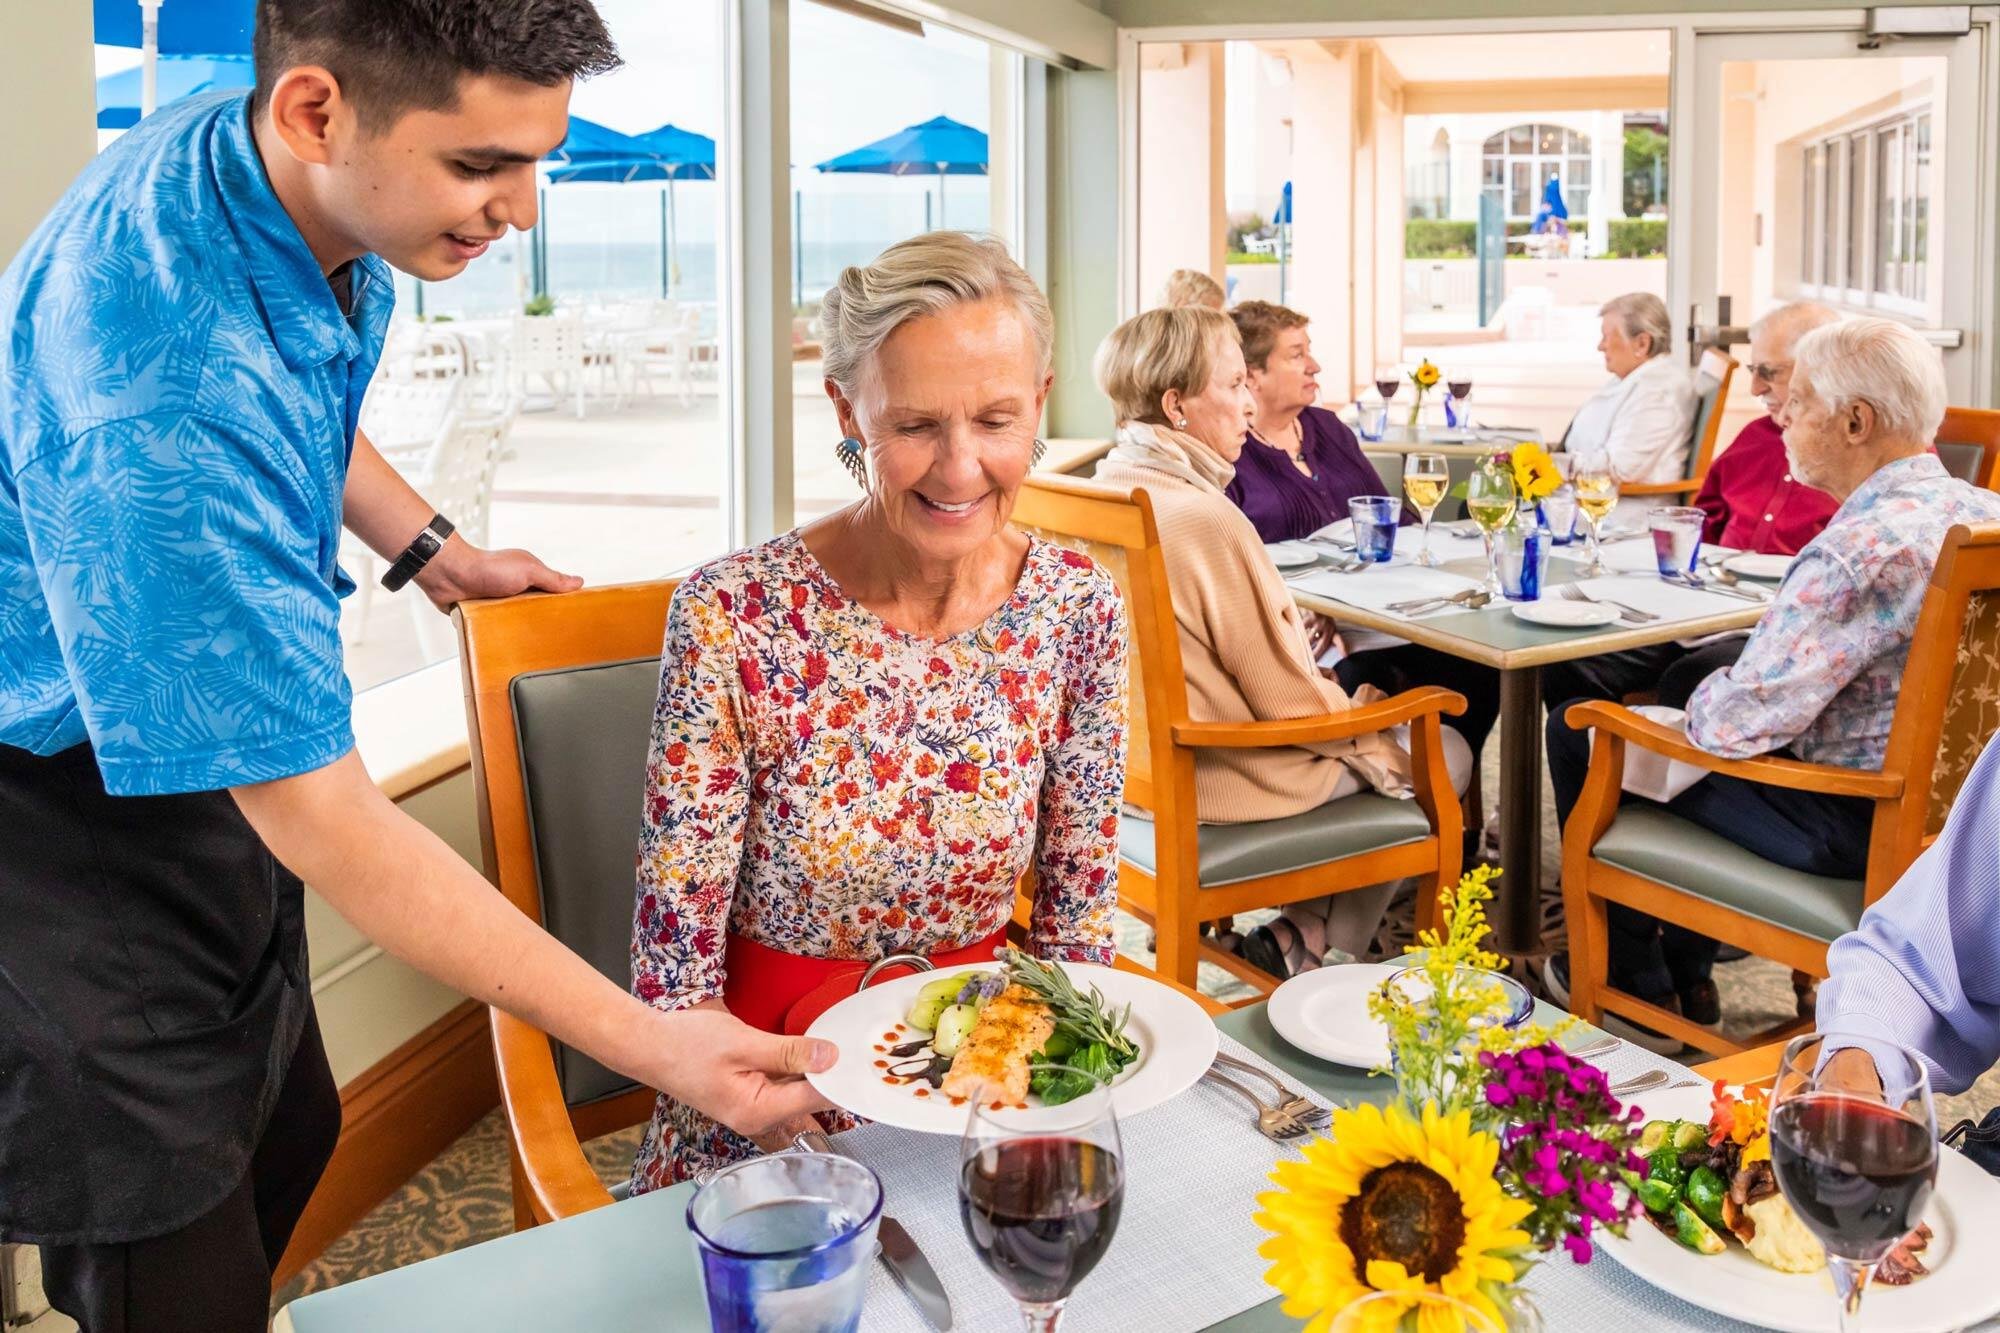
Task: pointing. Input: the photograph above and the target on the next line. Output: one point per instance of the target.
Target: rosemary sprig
(1088, 1017)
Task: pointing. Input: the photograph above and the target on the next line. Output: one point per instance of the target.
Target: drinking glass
(1458, 388)
(1559, 510)
(1425, 479)
(1433, 1310)
(1521, 557)
(1039, 1193)
(1596, 487)
(1388, 383)
(1374, 519)
(786, 1242)
(1854, 1148)
(1490, 497)
(1371, 416)
(1676, 533)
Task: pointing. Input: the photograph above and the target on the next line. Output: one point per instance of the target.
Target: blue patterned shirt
(178, 395)
(1821, 670)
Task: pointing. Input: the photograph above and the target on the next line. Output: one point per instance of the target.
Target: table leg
(1517, 914)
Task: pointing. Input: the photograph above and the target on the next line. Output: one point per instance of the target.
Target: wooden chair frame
(499, 641)
(1969, 562)
(1980, 426)
(1164, 739)
(1704, 448)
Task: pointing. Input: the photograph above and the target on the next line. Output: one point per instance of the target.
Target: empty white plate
(1565, 614)
(1291, 555)
(1753, 566)
(1324, 1012)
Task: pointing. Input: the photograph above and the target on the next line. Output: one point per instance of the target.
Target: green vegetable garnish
(1704, 1192)
(1089, 1043)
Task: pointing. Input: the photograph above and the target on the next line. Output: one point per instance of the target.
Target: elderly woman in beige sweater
(1177, 381)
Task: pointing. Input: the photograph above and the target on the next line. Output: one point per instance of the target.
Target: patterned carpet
(463, 1196)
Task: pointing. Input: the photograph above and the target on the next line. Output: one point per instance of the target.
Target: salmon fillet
(992, 1062)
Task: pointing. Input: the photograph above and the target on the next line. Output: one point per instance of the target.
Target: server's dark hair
(395, 56)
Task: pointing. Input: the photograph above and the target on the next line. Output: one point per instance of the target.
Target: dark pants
(1393, 670)
(213, 1275)
(1801, 830)
(1671, 670)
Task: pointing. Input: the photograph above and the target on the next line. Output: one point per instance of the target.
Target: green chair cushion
(1232, 853)
(1664, 847)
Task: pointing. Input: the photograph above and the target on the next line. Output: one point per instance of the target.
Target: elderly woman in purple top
(1300, 464)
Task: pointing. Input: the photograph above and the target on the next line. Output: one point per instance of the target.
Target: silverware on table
(1604, 1045)
(1289, 1101)
(1461, 595)
(898, 1252)
(1654, 1078)
(1700, 584)
(1575, 592)
(1475, 599)
(1271, 1122)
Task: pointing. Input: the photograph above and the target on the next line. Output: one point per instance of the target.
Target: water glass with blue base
(786, 1242)
(1676, 540)
(1375, 518)
(1558, 511)
(1521, 558)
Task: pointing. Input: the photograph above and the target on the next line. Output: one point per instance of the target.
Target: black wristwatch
(418, 553)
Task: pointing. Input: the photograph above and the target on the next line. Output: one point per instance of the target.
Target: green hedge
(1638, 238)
(1450, 238)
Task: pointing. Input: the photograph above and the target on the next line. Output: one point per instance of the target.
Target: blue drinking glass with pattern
(786, 1242)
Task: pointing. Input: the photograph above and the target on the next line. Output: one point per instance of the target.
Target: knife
(899, 1253)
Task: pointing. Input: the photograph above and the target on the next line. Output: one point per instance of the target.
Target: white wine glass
(1425, 479)
(1490, 497)
(1596, 486)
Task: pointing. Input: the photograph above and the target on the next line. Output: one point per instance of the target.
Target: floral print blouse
(824, 784)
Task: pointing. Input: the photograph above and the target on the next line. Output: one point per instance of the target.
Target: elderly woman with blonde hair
(1192, 287)
(1643, 416)
(870, 727)
(1177, 382)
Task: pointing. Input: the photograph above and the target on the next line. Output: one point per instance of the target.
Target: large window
(1865, 212)
(1519, 161)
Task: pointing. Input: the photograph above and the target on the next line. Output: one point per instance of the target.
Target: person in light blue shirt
(184, 345)
(1923, 967)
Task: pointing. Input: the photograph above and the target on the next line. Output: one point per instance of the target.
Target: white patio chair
(402, 415)
(551, 347)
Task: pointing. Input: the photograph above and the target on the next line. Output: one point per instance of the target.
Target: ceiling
(1514, 57)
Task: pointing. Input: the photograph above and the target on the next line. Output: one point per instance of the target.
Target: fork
(1291, 1103)
(1575, 593)
(1272, 1123)
(1719, 587)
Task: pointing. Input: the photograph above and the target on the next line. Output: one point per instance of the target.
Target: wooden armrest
(1830, 779)
(1751, 1068)
(1686, 486)
(560, 1180)
(1404, 707)
(1208, 1006)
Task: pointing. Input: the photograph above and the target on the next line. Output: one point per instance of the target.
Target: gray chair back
(1707, 402)
(1962, 460)
(585, 732)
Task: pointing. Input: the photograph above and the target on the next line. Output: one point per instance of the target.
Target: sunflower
(1535, 472)
(1424, 376)
(1386, 1203)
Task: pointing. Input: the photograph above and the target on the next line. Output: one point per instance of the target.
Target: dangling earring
(1035, 458)
(848, 451)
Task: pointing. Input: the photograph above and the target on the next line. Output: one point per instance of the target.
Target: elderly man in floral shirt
(1817, 679)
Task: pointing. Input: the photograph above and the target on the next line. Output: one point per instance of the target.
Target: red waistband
(784, 992)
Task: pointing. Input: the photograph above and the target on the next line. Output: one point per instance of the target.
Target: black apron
(153, 986)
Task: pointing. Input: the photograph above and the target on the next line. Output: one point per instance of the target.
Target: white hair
(1879, 362)
(925, 275)
(1643, 312)
(1796, 317)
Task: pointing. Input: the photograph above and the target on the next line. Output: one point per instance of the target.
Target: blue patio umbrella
(939, 147)
(587, 143)
(1283, 217)
(119, 95)
(1554, 213)
(179, 28)
(675, 154)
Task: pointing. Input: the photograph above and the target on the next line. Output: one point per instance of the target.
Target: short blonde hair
(1168, 348)
(1190, 286)
(1882, 363)
(925, 275)
(1643, 312)
(1260, 323)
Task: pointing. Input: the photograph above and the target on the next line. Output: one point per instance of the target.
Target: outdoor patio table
(1495, 637)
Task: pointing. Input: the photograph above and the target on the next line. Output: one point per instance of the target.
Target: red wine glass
(1039, 1192)
(1854, 1148)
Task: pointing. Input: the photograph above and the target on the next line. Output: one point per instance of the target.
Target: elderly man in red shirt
(1753, 503)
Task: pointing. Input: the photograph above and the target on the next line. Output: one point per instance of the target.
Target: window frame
(1573, 147)
(1832, 201)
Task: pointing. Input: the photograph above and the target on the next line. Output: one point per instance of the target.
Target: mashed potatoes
(1782, 1241)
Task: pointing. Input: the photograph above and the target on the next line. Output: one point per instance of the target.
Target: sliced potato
(952, 1025)
(934, 999)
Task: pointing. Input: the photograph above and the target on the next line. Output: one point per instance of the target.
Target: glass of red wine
(1854, 1148)
(1458, 388)
(1039, 1192)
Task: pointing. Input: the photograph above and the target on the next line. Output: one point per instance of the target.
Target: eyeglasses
(1767, 373)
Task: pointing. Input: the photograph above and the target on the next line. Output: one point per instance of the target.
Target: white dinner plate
(1959, 1292)
(1291, 555)
(1324, 1012)
(1177, 1043)
(1753, 566)
(1565, 614)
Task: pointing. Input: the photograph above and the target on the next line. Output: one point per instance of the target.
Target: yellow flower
(1424, 376)
(1388, 1203)
(1535, 472)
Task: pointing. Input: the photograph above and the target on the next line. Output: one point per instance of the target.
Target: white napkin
(1654, 776)
(1374, 588)
(1633, 555)
(1670, 601)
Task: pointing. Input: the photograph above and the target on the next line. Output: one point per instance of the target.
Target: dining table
(1494, 636)
(632, 1265)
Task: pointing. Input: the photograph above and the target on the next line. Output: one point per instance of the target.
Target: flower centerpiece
(1498, 1145)
(1535, 471)
(1424, 378)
